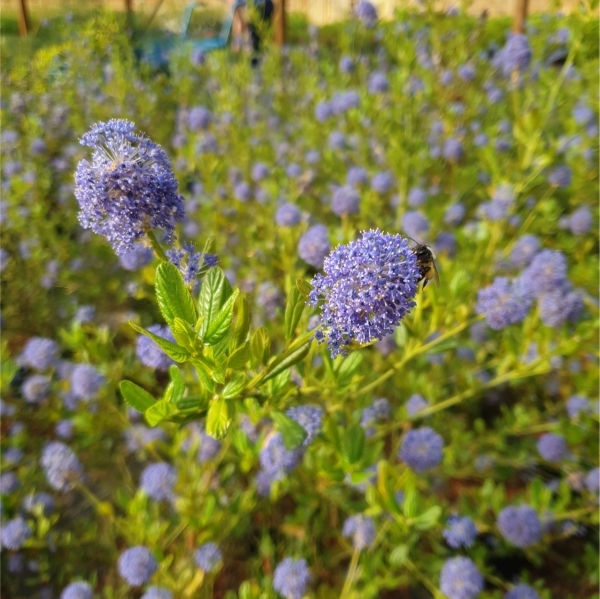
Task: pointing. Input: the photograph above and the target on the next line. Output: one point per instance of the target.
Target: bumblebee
(426, 263)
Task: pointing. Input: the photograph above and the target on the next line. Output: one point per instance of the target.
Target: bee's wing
(436, 276)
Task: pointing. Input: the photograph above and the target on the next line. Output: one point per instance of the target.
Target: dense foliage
(456, 457)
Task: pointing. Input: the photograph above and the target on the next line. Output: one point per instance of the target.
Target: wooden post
(280, 23)
(23, 19)
(129, 17)
(522, 8)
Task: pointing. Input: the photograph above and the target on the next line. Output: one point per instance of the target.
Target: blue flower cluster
(291, 578)
(361, 529)
(367, 289)
(61, 466)
(137, 565)
(422, 449)
(208, 557)
(129, 188)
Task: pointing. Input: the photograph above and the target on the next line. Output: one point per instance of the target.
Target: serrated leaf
(177, 382)
(286, 361)
(239, 357)
(220, 415)
(235, 386)
(353, 443)
(261, 345)
(161, 410)
(219, 326)
(173, 296)
(293, 433)
(293, 311)
(214, 292)
(174, 351)
(242, 322)
(304, 287)
(139, 399)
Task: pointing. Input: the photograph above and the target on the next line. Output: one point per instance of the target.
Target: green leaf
(239, 357)
(219, 327)
(409, 506)
(214, 292)
(293, 433)
(353, 443)
(204, 374)
(399, 555)
(177, 382)
(220, 414)
(285, 361)
(348, 366)
(161, 410)
(278, 383)
(192, 402)
(293, 311)
(429, 518)
(174, 298)
(235, 386)
(242, 322)
(184, 334)
(304, 287)
(8, 369)
(139, 399)
(174, 351)
(261, 345)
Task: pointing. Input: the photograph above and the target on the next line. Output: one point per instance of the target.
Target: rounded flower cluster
(345, 201)
(158, 480)
(137, 565)
(361, 529)
(367, 289)
(77, 590)
(208, 557)
(460, 579)
(86, 381)
(415, 404)
(61, 466)
(310, 418)
(314, 246)
(460, 532)
(128, 188)
(39, 353)
(155, 592)
(522, 591)
(503, 303)
(552, 447)
(291, 578)
(14, 533)
(516, 54)
(36, 388)
(422, 449)
(275, 459)
(520, 525)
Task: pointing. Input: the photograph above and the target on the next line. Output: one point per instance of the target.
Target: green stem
(502, 378)
(423, 579)
(158, 250)
(351, 573)
(411, 354)
(294, 346)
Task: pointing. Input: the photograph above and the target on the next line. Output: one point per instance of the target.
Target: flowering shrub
(221, 372)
